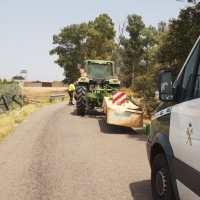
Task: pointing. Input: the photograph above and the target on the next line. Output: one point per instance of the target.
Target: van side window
(197, 84)
(188, 76)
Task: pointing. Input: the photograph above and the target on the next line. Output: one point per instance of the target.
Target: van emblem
(189, 132)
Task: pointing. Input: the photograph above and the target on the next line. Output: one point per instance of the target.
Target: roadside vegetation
(141, 55)
(9, 120)
(33, 99)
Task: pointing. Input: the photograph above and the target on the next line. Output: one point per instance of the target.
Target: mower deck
(128, 115)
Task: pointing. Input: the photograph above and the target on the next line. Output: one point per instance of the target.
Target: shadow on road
(131, 133)
(138, 133)
(114, 129)
(141, 190)
(90, 113)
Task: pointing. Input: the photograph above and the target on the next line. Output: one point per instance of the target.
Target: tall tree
(100, 38)
(162, 26)
(144, 83)
(69, 49)
(94, 40)
(133, 46)
(190, 1)
(117, 55)
(177, 41)
(18, 77)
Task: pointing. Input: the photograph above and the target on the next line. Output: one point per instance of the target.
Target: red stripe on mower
(118, 95)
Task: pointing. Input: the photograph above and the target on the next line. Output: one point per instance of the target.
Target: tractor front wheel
(80, 104)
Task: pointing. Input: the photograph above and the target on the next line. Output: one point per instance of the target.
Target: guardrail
(51, 97)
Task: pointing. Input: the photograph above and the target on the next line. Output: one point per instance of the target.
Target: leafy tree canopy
(135, 55)
(177, 41)
(18, 78)
(190, 1)
(94, 39)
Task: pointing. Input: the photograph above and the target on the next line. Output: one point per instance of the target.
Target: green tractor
(98, 79)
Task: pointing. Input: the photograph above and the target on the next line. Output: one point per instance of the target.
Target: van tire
(161, 184)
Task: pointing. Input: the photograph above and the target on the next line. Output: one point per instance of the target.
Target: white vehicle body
(175, 134)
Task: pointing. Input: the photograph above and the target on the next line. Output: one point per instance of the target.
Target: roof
(100, 61)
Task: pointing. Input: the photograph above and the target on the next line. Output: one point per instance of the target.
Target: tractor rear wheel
(80, 104)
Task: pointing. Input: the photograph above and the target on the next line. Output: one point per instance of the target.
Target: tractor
(98, 80)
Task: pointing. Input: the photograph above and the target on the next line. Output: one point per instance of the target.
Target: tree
(162, 26)
(37, 81)
(144, 84)
(190, 1)
(18, 78)
(118, 53)
(4, 81)
(177, 41)
(69, 49)
(94, 40)
(133, 48)
(138, 55)
(170, 50)
(100, 39)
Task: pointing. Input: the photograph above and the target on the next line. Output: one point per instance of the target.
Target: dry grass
(146, 121)
(9, 121)
(42, 93)
(127, 90)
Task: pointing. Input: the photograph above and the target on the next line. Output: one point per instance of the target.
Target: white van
(173, 146)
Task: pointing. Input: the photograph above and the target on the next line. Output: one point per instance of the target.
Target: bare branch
(189, 1)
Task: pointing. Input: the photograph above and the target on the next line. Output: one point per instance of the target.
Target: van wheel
(161, 184)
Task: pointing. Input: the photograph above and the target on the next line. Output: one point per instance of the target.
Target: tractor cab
(98, 69)
(98, 78)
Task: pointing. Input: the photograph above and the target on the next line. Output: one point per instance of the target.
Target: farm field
(42, 93)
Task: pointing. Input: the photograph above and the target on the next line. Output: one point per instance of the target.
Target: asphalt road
(57, 155)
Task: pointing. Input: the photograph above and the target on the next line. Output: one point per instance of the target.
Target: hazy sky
(27, 27)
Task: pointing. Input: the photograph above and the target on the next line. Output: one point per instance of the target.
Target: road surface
(57, 155)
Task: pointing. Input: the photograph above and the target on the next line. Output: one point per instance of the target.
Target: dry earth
(42, 93)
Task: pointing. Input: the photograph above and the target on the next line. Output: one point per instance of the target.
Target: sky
(27, 29)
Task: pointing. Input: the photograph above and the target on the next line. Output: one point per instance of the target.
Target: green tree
(133, 48)
(117, 53)
(138, 55)
(144, 84)
(69, 49)
(18, 78)
(94, 40)
(4, 81)
(100, 38)
(172, 46)
(177, 41)
(162, 26)
(190, 1)
(150, 40)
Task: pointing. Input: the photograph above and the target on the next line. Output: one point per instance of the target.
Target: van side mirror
(165, 85)
(78, 66)
(117, 70)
